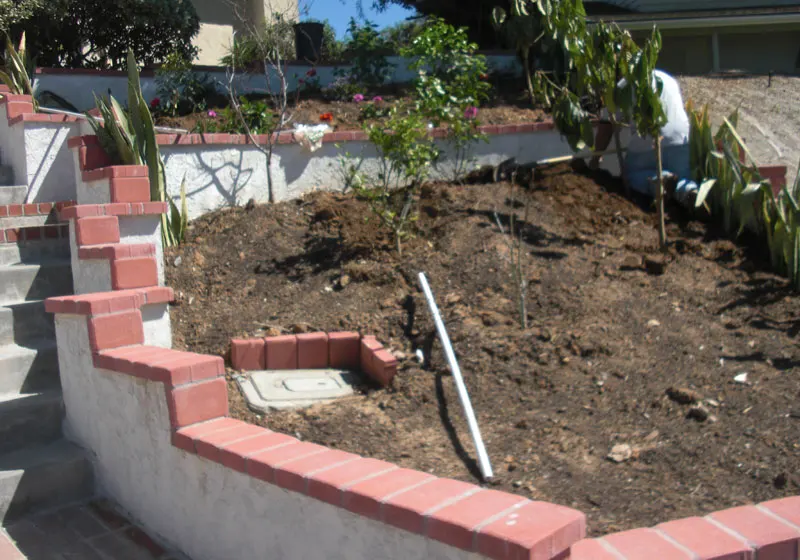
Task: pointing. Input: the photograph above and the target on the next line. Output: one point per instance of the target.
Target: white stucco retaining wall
(79, 86)
(207, 511)
(223, 175)
(230, 175)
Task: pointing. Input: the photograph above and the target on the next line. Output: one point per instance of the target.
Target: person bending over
(640, 165)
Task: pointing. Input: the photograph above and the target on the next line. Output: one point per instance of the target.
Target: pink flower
(470, 112)
(358, 98)
(377, 99)
(155, 103)
(311, 73)
(212, 114)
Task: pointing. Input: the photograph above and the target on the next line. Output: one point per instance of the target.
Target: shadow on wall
(209, 177)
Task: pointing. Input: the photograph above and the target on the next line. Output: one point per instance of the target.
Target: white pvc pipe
(483, 458)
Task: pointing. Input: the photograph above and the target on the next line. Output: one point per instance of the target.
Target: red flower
(326, 117)
(311, 73)
(484, 77)
(155, 103)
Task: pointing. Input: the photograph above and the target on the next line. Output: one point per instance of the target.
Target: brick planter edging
(287, 137)
(488, 522)
(347, 350)
(770, 530)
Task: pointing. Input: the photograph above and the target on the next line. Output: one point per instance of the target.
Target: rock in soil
(656, 264)
(632, 262)
(698, 412)
(620, 453)
(682, 395)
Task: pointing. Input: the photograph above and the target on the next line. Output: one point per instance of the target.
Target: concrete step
(19, 282)
(34, 252)
(12, 194)
(25, 322)
(29, 369)
(29, 419)
(42, 477)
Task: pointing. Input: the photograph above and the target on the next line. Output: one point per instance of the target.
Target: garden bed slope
(608, 343)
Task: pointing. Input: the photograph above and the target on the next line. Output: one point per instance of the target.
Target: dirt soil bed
(616, 356)
(347, 114)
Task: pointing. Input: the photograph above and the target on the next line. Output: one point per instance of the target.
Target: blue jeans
(641, 170)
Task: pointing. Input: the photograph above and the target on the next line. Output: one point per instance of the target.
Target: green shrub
(451, 84)
(12, 12)
(400, 35)
(181, 90)
(257, 115)
(98, 33)
(365, 50)
(406, 153)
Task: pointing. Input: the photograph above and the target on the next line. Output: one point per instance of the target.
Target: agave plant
(129, 138)
(179, 219)
(19, 69)
(733, 189)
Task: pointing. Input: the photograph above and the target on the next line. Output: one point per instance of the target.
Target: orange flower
(326, 117)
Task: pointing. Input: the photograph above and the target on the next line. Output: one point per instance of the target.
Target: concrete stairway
(38, 468)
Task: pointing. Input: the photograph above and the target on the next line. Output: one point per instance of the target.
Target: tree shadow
(783, 364)
(758, 293)
(320, 254)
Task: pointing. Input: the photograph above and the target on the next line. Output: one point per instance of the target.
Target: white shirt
(676, 131)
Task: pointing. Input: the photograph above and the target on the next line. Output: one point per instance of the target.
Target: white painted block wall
(206, 510)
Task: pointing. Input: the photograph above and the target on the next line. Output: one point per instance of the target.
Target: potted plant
(308, 40)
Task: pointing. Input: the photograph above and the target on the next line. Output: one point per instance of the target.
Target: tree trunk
(270, 187)
(662, 232)
(620, 160)
(528, 80)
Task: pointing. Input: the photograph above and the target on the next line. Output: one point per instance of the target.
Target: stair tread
(50, 262)
(58, 451)
(23, 303)
(8, 400)
(36, 345)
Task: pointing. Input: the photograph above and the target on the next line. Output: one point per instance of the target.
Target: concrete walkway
(92, 531)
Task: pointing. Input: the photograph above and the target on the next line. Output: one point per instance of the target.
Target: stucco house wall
(220, 18)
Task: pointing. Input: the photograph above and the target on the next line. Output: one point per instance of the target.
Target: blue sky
(339, 12)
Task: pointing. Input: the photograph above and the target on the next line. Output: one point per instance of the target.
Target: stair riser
(6, 175)
(29, 373)
(25, 492)
(12, 195)
(34, 283)
(25, 322)
(28, 425)
(27, 221)
(33, 252)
